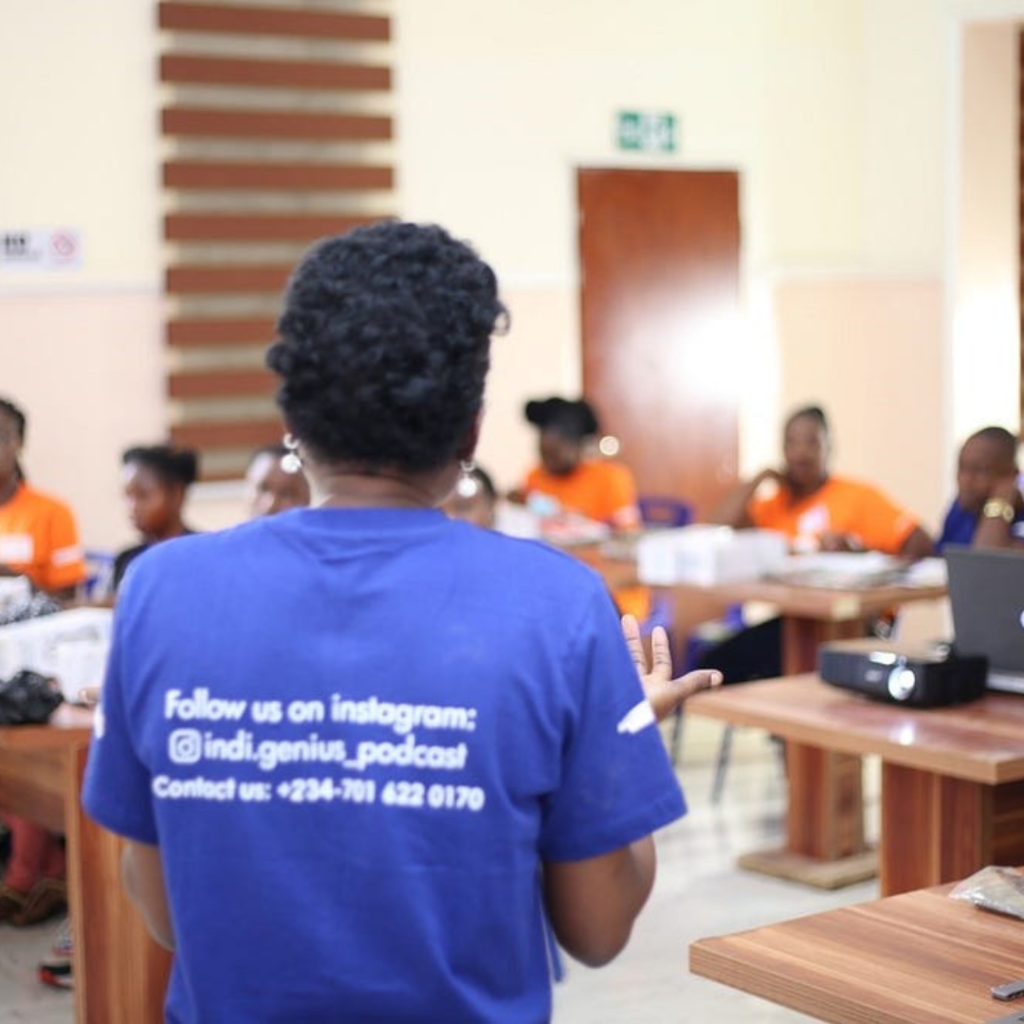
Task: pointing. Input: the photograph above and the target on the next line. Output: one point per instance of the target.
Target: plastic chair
(663, 511)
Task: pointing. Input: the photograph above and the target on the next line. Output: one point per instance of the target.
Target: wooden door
(662, 341)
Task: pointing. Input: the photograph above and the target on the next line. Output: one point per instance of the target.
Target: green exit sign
(652, 133)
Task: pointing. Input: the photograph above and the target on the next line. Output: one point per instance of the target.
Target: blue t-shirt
(959, 525)
(355, 735)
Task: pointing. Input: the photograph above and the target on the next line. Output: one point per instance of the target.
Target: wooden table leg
(120, 972)
(825, 844)
(825, 819)
(937, 829)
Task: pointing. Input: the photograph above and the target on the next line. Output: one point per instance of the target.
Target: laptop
(986, 593)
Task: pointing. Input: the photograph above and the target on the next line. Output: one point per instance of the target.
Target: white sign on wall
(40, 249)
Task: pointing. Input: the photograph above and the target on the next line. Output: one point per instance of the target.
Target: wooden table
(952, 778)
(826, 845)
(919, 957)
(812, 615)
(120, 973)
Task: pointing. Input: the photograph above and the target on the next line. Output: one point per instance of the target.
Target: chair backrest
(658, 510)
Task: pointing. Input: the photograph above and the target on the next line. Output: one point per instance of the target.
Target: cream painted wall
(984, 288)
(842, 117)
(888, 398)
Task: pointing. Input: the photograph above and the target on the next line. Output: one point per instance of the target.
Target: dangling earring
(467, 485)
(291, 461)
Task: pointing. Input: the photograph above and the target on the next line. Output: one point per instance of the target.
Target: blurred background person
(275, 482)
(988, 510)
(571, 477)
(156, 483)
(39, 540)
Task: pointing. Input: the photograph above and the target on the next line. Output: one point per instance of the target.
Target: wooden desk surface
(823, 604)
(33, 765)
(820, 603)
(918, 957)
(982, 741)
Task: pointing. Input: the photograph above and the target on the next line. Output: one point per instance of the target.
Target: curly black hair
(573, 420)
(15, 413)
(168, 464)
(384, 346)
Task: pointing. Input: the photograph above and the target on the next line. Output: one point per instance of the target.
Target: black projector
(903, 674)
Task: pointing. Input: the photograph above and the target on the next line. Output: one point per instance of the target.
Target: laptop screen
(986, 594)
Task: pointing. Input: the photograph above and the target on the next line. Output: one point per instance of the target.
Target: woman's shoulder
(42, 500)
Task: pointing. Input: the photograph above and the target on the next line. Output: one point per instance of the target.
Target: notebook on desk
(986, 594)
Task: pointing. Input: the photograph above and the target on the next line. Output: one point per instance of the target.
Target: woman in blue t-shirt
(360, 751)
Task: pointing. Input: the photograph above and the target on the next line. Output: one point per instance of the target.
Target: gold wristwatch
(999, 508)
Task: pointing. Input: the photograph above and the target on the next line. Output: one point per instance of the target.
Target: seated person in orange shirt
(38, 539)
(819, 511)
(156, 483)
(567, 479)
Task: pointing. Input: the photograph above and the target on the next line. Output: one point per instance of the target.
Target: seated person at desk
(275, 482)
(156, 483)
(816, 510)
(568, 479)
(988, 510)
(38, 539)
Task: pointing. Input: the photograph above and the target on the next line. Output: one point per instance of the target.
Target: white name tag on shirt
(16, 547)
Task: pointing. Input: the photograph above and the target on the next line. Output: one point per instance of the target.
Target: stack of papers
(841, 570)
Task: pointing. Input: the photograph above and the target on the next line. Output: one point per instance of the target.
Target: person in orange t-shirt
(38, 539)
(816, 510)
(599, 489)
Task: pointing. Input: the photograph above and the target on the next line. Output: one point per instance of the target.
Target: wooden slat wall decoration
(277, 127)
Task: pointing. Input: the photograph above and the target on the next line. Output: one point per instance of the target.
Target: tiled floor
(699, 892)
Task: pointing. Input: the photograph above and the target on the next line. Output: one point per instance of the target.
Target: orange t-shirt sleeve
(64, 565)
(882, 524)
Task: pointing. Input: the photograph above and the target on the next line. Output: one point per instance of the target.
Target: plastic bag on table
(994, 888)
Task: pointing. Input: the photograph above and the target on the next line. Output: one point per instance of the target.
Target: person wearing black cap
(567, 479)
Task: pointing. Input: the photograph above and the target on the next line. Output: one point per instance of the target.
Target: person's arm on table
(917, 545)
(593, 903)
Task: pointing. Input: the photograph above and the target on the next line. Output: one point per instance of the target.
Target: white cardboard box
(71, 646)
(706, 554)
